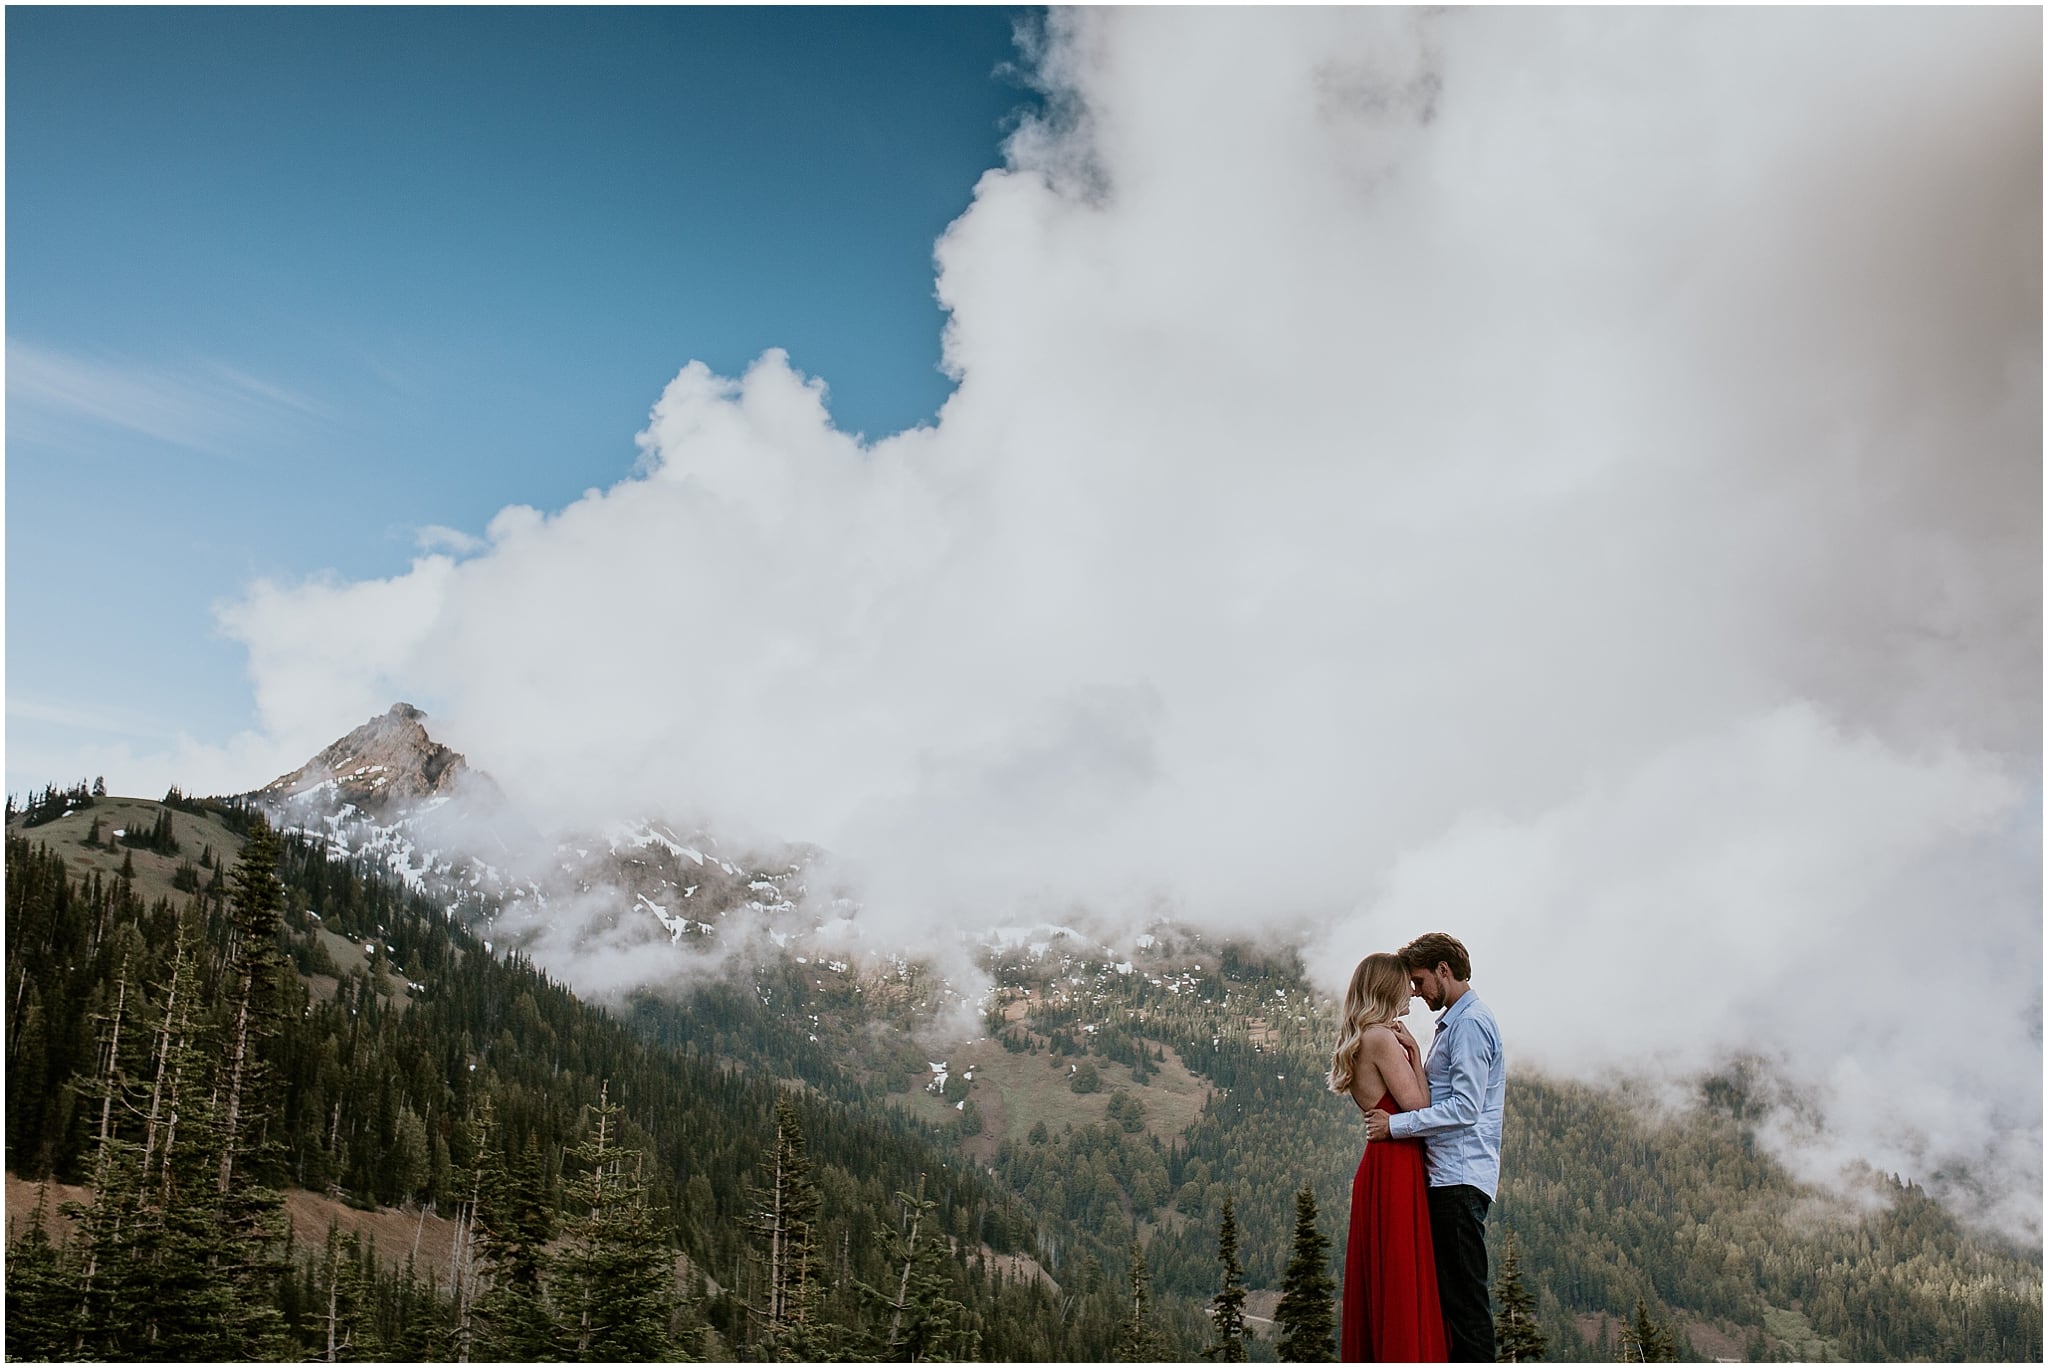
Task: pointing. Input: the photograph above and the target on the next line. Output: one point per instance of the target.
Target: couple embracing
(1415, 1265)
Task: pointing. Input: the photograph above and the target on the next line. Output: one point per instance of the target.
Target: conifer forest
(264, 1104)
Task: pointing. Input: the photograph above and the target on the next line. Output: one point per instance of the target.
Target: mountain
(387, 767)
(389, 795)
(1102, 1092)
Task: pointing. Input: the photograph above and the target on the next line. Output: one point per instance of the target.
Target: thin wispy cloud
(84, 718)
(204, 406)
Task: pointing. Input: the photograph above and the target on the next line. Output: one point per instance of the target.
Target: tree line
(309, 1023)
(49, 803)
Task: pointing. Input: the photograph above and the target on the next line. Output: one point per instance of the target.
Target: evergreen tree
(1136, 1339)
(1644, 1340)
(1227, 1310)
(41, 1296)
(1517, 1336)
(614, 1283)
(161, 1268)
(346, 1308)
(784, 1224)
(251, 1210)
(502, 1310)
(110, 1227)
(257, 912)
(1306, 1317)
(924, 1323)
(162, 838)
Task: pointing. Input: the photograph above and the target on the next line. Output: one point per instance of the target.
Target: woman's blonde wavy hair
(1378, 994)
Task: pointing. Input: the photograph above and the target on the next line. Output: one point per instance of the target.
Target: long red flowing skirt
(1391, 1311)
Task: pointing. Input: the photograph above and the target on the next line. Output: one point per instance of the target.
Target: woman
(1391, 1312)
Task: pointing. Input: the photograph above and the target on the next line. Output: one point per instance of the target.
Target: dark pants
(1457, 1225)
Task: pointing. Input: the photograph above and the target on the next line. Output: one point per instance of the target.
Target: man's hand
(1377, 1125)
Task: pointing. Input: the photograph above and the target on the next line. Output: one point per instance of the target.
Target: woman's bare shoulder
(1381, 1044)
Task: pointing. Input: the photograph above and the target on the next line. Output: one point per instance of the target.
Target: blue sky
(287, 285)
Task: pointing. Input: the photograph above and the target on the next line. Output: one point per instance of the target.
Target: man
(1461, 1136)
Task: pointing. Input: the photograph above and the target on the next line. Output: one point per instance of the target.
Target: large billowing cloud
(1568, 478)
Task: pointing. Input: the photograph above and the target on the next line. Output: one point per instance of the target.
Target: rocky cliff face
(386, 766)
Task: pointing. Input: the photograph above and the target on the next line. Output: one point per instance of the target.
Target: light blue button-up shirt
(1468, 1088)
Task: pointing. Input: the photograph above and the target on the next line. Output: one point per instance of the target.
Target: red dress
(1391, 1312)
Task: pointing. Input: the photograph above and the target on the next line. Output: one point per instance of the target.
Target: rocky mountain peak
(387, 763)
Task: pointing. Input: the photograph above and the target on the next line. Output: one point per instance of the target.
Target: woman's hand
(1408, 1044)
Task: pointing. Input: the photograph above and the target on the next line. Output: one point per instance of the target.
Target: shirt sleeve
(1469, 1049)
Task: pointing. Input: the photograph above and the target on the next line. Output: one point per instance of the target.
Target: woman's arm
(1398, 1069)
(1414, 1053)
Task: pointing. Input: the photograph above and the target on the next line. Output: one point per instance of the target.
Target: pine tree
(348, 1301)
(257, 910)
(1644, 1340)
(1306, 1317)
(464, 1266)
(162, 837)
(159, 1262)
(1517, 1336)
(924, 1323)
(1228, 1308)
(502, 1311)
(784, 1224)
(41, 1297)
(108, 1227)
(28, 1078)
(251, 1210)
(1136, 1339)
(614, 1283)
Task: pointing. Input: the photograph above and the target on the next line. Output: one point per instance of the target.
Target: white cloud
(1567, 477)
(434, 537)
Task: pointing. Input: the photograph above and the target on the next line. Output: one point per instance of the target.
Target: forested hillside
(766, 1164)
(375, 1051)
